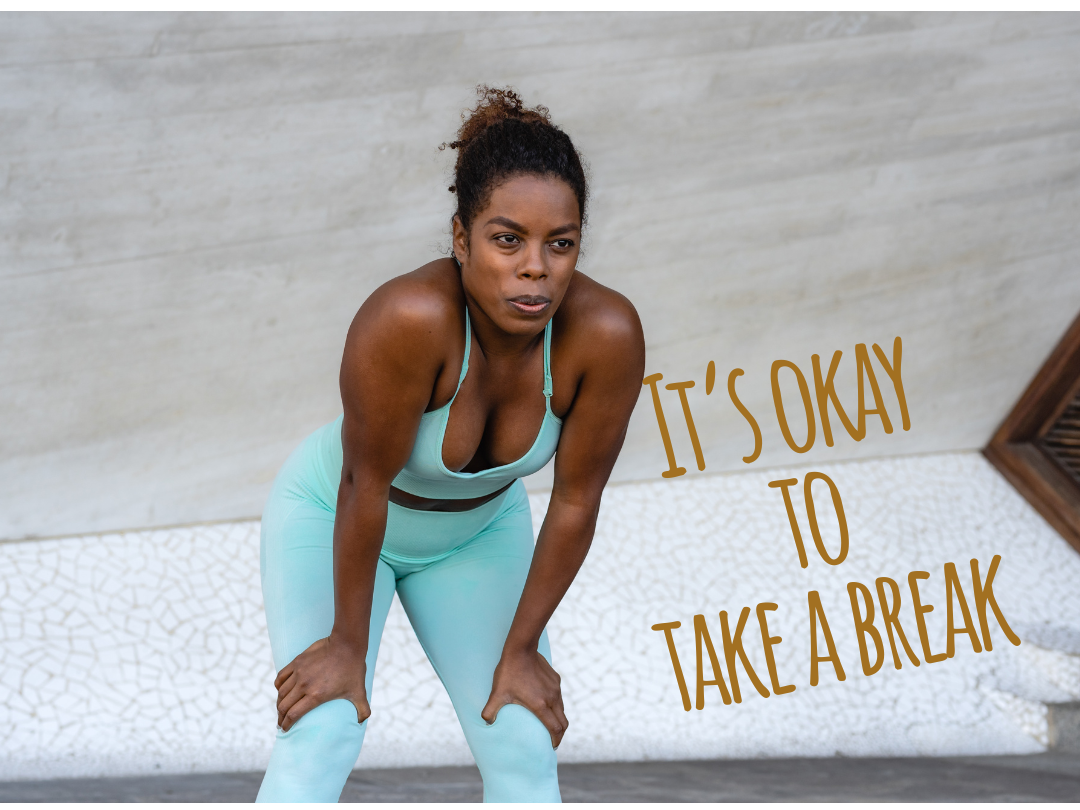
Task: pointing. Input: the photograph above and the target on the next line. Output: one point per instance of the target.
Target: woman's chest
(497, 417)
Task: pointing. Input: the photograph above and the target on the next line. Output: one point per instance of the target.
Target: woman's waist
(411, 501)
(416, 481)
(420, 535)
(315, 467)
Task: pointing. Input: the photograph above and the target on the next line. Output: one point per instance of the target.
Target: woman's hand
(327, 670)
(527, 679)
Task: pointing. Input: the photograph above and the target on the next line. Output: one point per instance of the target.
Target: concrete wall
(194, 205)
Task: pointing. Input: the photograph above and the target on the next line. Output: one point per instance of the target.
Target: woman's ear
(461, 239)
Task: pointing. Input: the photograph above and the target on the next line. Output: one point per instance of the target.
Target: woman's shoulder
(595, 314)
(429, 298)
(407, 324)
(601, 349)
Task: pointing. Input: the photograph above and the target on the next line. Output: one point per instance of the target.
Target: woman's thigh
(297, 559)
(312, 760)
(461, 608)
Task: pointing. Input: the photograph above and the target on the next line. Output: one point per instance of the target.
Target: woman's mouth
(530, 304)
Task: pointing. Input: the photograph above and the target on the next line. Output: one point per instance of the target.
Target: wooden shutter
(1037, 448)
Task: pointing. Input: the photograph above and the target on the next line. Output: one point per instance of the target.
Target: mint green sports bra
(425, 474)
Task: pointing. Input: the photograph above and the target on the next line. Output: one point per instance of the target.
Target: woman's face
(521, 251)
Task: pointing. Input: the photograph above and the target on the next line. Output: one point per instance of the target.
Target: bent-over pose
(457, 380)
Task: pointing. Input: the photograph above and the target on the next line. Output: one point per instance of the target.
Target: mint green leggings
(460, 595)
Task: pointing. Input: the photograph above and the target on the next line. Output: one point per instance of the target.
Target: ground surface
(1038, 777)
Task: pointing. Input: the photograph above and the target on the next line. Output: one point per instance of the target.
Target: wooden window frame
(1014, 449)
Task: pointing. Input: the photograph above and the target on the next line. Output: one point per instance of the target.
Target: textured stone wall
(194, 206)
(147, 651)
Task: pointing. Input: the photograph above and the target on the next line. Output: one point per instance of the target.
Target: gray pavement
(1038, 777)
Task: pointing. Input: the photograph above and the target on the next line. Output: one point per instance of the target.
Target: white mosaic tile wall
(146, 652)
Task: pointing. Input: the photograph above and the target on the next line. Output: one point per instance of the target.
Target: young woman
(458, 379)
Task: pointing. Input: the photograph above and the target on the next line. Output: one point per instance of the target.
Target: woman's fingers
(363, 710)
(286, 686)
(564, 724)
(283, 676)
(298, 710)
(556, 727)
(550, 713)
(320, 673)
(290, 668)
(284, 693)
(533, 683)
(491, 710)
(289, 699)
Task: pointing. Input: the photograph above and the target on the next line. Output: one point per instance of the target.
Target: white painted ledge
(146, 652)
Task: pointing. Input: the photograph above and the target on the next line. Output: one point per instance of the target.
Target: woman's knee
(516, 759)
(330, 731)
(312, 760)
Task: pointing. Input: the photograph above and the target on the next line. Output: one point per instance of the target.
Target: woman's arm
(592, 435)
(388, 371)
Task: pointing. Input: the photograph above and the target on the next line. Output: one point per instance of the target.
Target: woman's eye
(564, 243)
(506, 238)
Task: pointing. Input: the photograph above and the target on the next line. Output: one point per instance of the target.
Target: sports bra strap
(465, 361)
(547, 361)
(468, 346)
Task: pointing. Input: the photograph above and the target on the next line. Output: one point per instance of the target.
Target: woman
(447, 373)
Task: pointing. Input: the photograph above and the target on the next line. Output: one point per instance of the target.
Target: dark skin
(402, 358)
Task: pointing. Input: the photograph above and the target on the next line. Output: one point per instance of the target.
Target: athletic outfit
(459, 576)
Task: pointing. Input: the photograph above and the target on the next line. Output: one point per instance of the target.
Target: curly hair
(500, 138)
